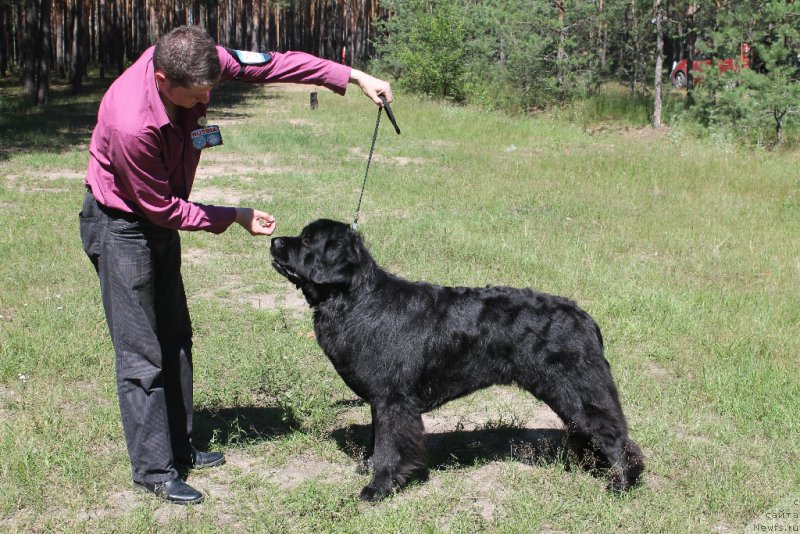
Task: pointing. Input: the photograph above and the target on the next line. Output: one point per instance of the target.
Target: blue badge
(246, 57)
(206, 137)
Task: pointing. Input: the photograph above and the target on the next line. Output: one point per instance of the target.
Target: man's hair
(188, 56)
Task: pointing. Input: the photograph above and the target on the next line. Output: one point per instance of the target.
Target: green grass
(684, 251)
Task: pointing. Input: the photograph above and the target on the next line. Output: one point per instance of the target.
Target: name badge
(206, 137)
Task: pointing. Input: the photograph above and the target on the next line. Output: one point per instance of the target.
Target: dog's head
(327, 256)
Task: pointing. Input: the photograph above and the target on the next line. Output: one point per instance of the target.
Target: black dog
(409, 347)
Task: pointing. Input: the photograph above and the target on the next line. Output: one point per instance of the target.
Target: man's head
(186, 65)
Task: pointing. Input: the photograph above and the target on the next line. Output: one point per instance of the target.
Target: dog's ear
(341, 261)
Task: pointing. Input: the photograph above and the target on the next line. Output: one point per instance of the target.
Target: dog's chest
(338, 342)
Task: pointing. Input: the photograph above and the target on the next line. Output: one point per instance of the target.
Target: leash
(389, 114)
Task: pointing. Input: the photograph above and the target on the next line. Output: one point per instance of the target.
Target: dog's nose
(277, 244)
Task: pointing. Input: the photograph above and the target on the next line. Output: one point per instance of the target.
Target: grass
(685, 252)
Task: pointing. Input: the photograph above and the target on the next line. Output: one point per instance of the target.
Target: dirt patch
(491, 408)
(298, 123)
(207, 172)
(276, 301)
(231, 289)
(8, 398)
(688, 435)
(241, 461)
(483, 489)
(219, 196)
(117, 504)
(26, 189)
(503, 406)
(304, 468)
(654, 482)
(246, 165)
(653, 369)
(195, 256)
(50, 175)
(359, 153)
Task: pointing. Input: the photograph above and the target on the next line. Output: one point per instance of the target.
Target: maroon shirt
(142, 163)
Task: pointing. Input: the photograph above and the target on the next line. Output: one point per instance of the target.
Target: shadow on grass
(464, 448)
(238, 424)
(67, 121)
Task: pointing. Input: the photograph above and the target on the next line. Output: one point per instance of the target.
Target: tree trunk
(78, 48)
(658, 13)
(141, 25)
(602, 36)
(213, 7)
(45, 29)
(255, 38)
(4, 23)
(562, 53)
(102, 39)
(691, 40)
(778, 114)
(58, 41)
(28, 63)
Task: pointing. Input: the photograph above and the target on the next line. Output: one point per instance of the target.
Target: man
(151, 130)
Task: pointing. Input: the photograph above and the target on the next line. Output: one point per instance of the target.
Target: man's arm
(300, 67)
(137, 157)
(371, 86)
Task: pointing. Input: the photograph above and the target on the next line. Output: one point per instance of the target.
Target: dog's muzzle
(280, 261)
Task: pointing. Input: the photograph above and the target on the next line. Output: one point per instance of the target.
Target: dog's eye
(305, 240)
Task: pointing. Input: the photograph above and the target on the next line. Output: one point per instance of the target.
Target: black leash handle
(389, 113)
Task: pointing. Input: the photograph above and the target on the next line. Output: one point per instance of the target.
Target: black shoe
(203, 460)
(175, 491)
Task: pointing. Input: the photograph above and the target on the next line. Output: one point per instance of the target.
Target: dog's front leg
(365, 465)
(398, 448)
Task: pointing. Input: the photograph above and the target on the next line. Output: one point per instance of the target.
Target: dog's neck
(364, 281)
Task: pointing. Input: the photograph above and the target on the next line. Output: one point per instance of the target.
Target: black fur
(409, 347)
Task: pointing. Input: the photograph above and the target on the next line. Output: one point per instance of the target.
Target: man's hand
(254, 221)
(371, 86)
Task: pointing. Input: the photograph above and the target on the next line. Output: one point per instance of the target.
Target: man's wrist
(242, 216)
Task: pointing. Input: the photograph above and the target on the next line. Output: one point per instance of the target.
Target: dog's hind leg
(399, 449)
(596, 426)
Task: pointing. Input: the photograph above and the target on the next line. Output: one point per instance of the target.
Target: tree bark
(3, 40)
(561, 54)
(28, 63)
(78, 48)
(45, 29)
(691, 41)
(658, 13)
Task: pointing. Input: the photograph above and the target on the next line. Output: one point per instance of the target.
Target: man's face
(185, 97)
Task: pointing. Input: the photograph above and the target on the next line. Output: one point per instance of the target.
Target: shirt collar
(151, 90)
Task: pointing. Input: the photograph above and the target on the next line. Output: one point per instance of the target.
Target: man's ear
(161, 78)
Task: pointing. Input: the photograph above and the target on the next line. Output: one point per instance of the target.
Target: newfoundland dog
(409, 347)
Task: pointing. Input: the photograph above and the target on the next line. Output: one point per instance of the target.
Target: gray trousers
(138, 264)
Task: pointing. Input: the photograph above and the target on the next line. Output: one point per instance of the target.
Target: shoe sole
(142, 489)
(211, 464)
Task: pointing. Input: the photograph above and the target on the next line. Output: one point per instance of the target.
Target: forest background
(511, 55)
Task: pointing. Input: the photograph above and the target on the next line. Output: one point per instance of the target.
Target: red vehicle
(679, 73)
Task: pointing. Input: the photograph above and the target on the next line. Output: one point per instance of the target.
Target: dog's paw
(368, 493)
(617, 484)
